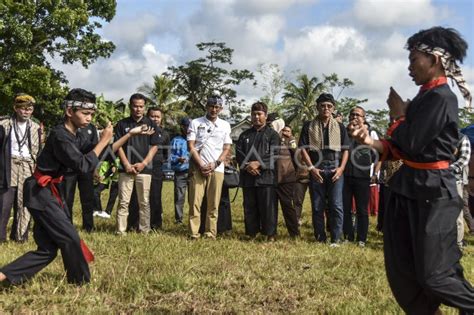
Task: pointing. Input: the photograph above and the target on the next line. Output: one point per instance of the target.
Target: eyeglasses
(356, 115)
(326, 105)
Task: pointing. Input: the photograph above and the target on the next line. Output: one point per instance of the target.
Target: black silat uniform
(53, 229)
(84, 182)
(421, 252)
(260, 212)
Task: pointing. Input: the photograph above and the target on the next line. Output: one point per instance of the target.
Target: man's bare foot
(2, 277)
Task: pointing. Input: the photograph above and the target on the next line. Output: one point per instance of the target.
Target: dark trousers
(224, 216)
(113, 193)
(180, 187)
(422, 255)
(332, 191)
(85, 184)
(284, 194)
(53, 230)
(359, 189)
(8, 201)
(260, 214)
(156, 206)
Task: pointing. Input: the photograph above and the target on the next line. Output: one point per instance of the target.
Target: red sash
(438, 165)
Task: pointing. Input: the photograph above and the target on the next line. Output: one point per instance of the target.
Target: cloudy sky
(360, 39)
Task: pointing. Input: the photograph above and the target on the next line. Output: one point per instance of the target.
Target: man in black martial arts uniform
(421, 253)
(53, 228)
(256, 153)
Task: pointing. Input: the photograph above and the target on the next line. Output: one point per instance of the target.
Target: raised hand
(142, 130)
(107, 132)
(396, 105)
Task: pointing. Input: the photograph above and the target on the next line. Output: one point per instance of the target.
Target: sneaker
(361, 244)
(96, 214)
(104, 215)
(333, 245)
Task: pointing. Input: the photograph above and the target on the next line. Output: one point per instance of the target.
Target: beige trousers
(142, 184)
(200, 186)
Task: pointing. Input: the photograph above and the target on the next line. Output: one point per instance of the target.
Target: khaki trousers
(211, 187)
(142, 184)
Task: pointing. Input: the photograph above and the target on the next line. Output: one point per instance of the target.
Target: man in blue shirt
(179, 160)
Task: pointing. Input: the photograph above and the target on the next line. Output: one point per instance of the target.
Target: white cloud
(120, 75)
(252, 7)
(395, 13)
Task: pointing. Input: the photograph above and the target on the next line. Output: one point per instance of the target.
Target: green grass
(164, 272)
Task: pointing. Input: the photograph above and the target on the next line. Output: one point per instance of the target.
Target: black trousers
(53, 230)
(156, 206)
(422, 255)
(113, 194)
(85, 183)
(224, 215)
(359, 189)
(260, 214)
(284, 193)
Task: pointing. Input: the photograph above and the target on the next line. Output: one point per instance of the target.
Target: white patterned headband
(79, 104)
(451, 69)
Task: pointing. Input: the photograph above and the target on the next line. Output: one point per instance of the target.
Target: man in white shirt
(209, 143)
(20, 142)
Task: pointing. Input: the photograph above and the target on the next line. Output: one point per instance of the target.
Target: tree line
(33, 32)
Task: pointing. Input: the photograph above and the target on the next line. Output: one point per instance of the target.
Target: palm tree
(161, 94)
(300, 98)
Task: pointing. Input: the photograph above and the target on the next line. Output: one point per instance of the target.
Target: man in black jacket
(256, 152)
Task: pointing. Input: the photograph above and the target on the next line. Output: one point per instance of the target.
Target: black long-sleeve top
(62, 151)
(428, 134)
(258, 145)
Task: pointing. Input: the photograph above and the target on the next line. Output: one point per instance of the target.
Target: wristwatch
(218, 162)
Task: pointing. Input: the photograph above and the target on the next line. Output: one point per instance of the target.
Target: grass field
(164, 272)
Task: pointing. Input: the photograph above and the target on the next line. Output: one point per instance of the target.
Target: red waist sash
(45, 180)
(438, 165)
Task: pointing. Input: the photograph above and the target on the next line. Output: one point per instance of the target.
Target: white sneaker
(96, 214)
(334, 245)
(361, 244)
(104, 215)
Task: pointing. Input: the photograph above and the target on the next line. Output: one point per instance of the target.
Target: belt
(44, 180)
(438, 165)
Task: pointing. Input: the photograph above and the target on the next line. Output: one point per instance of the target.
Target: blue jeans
(319, 192)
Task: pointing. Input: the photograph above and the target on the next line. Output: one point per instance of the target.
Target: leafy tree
(30, 31)
(466, 117)
(299, 100)
(108, 111)
(272, 83)
(378, 120)
(197, 79)
(162, 94)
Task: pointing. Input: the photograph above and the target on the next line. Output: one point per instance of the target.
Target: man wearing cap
(209, 143)
(179, 162)
(21, 142)
(325, 144)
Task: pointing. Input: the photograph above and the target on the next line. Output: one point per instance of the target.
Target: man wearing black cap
(179, 162)
(325, 142)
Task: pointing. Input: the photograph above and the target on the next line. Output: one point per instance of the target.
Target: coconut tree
(299, 99)
(161, 94)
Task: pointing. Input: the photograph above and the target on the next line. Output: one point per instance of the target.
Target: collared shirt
(179, 148)
(210, 138)
(137, 147)
(460, 166)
